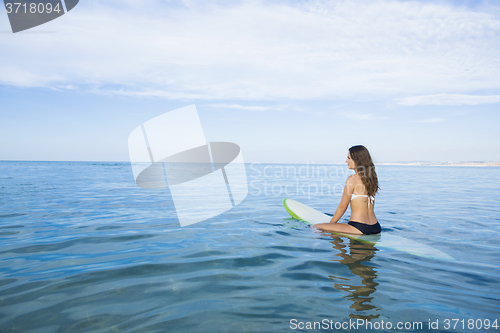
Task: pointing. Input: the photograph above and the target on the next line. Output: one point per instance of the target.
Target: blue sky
(289, 81)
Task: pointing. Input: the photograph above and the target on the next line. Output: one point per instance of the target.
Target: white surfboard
(312, 216)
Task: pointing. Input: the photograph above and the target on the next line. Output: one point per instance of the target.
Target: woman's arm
(344, 202)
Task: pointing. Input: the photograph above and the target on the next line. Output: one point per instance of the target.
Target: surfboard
(310, 215)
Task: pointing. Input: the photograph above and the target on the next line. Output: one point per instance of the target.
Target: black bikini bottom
(366, 229)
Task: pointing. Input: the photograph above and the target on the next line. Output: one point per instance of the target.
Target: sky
(288, 81)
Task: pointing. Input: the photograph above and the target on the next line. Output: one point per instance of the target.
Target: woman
(359, 190)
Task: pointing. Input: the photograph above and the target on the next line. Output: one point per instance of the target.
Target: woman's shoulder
(354, 179)
(354, 182)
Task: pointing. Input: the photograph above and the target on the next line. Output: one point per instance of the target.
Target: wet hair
(365, 168)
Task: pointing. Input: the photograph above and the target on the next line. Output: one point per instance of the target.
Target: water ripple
(84, 250)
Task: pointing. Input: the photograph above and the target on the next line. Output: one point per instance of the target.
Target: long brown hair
(365, 168)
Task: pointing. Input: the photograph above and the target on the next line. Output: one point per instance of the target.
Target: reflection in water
(359, 253)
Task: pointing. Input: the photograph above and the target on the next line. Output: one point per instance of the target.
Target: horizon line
(398, 163)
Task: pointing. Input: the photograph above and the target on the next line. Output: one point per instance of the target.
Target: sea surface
(84, 249)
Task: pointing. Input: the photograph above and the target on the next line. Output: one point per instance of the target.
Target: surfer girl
(359, 191)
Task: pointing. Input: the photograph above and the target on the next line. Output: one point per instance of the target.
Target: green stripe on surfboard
(292, 214)
(310, 215)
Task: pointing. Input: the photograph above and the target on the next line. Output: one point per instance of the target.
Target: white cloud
(449, 99)
(248, 107)
(356, 116)
(431, 120)
(254, 50)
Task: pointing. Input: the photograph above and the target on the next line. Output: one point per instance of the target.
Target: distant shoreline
(473, 164)
(313, 163)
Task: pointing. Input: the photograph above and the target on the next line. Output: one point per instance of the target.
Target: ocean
(83, 249)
